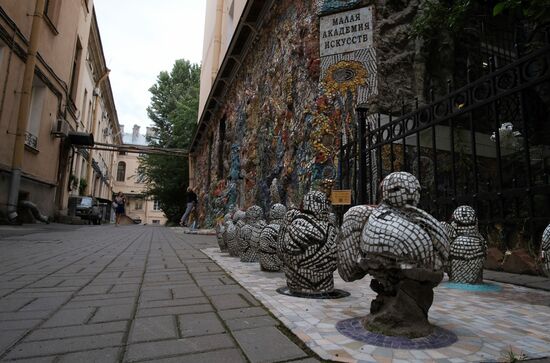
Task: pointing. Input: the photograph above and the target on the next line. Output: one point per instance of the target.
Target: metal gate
(486, 144)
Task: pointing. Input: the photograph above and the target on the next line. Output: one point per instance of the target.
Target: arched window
(121, 171)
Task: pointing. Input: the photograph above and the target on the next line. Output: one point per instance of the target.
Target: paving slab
(132, 293)
(267, 344)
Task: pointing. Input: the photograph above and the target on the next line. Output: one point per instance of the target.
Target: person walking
(191, 204)
(120, 201)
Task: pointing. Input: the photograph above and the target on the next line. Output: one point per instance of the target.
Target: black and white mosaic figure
(232, 233)
(269, 261)
(220, 232)
(308, 246)
(468, 247)
(545, 251)
(250, 234)
(403, 248)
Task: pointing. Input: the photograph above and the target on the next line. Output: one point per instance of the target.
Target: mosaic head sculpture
(403, 248)
(220, 230)
(233, 230)
(316, 203)
(545, 251)
(269, 261)
(308, 247)
(250, 234)
(468, 247)
(400, 188)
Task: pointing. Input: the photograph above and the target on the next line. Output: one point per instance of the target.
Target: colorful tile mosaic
(487, 324)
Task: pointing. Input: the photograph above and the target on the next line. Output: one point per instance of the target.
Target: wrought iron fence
(486, 144)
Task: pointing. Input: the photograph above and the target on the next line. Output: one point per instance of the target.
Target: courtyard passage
(128, 294)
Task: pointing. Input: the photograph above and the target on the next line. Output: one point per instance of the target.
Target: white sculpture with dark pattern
(308, 246)
(269, 261)
(250, 234)
(468, 247)
(403, 248)
(233, 231)
(545, 251)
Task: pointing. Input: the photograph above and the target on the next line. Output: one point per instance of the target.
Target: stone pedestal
(403, 301)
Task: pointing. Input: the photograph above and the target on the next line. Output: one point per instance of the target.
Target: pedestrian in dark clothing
(191, 204)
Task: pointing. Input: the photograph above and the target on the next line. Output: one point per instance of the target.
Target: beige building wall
(127, 180)
(222, 17)
(59, 94)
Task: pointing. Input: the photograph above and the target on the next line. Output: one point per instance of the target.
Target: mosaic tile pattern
(269, 261)
(353, 328)
(308, 246)
(545, 251)
(349, 243)
(397, 228)
(487, 324)
(221, 227)
(250, 234)
(468, 247)
(233, 232)
(333, 294)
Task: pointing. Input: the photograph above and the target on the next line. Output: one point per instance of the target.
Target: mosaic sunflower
(345, 76)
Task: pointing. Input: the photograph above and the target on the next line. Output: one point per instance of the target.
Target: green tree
(173, 110)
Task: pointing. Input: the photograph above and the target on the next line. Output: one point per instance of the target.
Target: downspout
(24, 109)
(89, 189)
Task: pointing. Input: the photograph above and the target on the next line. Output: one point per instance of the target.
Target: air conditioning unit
(60, 128)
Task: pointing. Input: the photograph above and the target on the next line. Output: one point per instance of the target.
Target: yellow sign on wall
(341, 197)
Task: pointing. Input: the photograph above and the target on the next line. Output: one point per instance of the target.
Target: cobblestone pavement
(127, 294)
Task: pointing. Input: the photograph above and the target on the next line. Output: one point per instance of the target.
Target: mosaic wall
(286, 113)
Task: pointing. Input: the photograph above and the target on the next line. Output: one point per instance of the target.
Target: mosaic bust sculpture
(269, 261)
(545, 251)
(250, 234)
(403, 248)
(468, 247)
(232, 233)
(220, 231)
(308, 246)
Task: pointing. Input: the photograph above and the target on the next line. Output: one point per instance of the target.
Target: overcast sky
(140, 39)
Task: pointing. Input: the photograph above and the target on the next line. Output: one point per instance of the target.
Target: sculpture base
(334, 294)
(353, 328)
(404, 298)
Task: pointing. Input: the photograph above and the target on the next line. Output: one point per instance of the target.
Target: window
(156, 205)
(121, 171)
(35, 115)
(122, 153)
(139, 205)
(83, 110)
(156, 221)
(76, 70)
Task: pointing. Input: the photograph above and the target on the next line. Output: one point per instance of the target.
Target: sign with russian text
(341, 197)
(346, 32)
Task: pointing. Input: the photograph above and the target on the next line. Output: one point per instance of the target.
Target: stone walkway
(489, 325)
(128, 294)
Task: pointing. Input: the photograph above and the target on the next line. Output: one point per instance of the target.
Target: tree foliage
(173, 110)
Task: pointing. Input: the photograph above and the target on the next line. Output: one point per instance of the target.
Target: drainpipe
(24, 109)
(89, 189)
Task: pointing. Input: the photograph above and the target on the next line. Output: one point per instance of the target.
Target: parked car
(136, 220)
(86, 208)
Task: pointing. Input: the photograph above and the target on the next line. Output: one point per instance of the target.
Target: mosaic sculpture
(233, 231)
(468, 247)
(269, 261)
(403, 248)
(545, 251)
(250, 234)
(220, 232)
(308, 246)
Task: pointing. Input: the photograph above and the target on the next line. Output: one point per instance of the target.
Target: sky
(140, 39)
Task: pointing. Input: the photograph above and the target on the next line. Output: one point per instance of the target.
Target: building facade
(69, 93)
(129, 181)
(303, 92)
